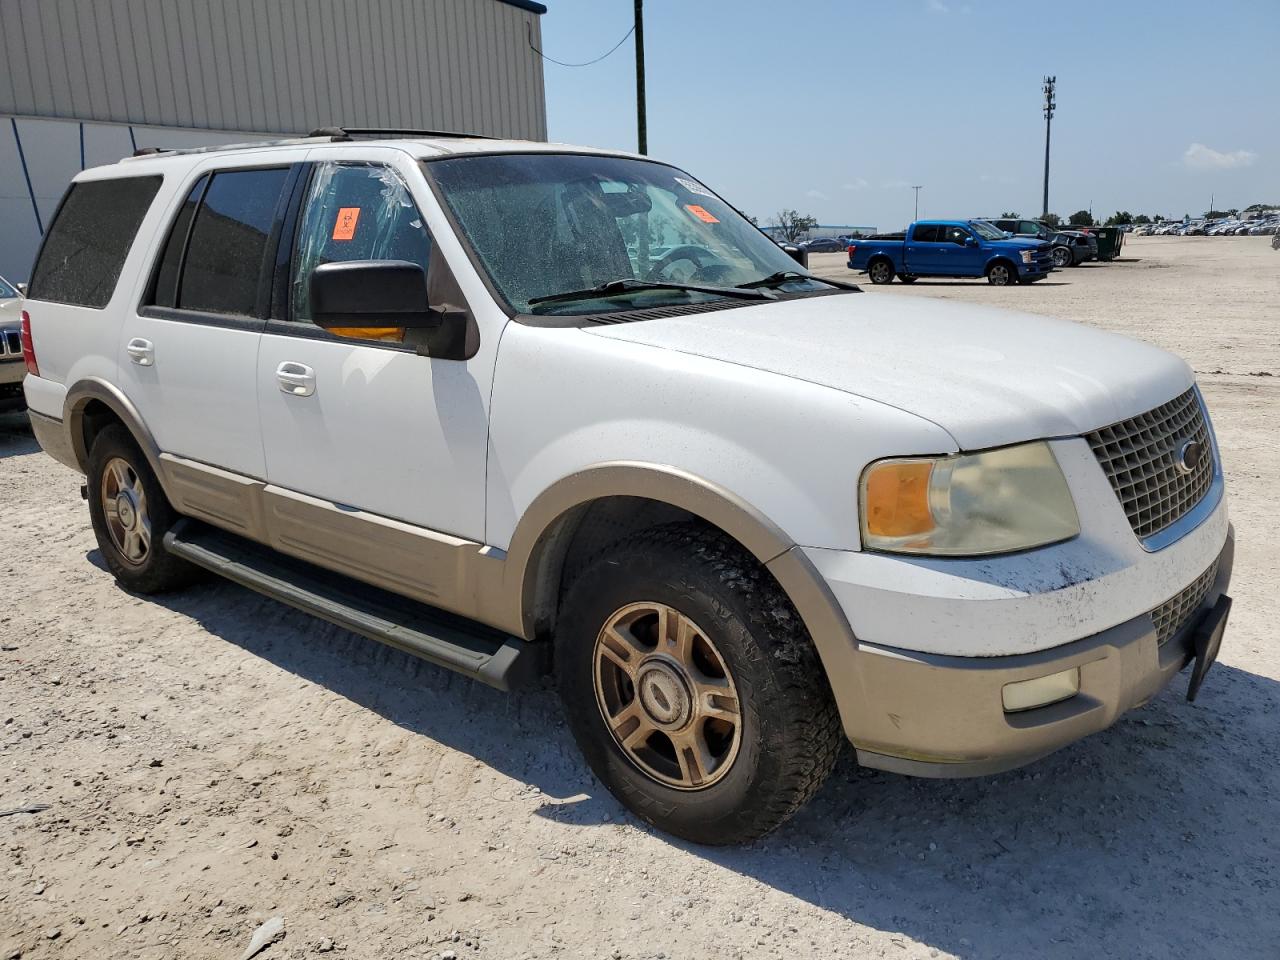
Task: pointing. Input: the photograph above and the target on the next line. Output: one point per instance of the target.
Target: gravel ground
(213, 759)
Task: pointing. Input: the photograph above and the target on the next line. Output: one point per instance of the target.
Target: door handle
(296, 379)
(142, 352)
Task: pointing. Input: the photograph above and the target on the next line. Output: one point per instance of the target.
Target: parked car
(419, 388)
(953, 248)
(12, 368)
(1070, 248)
(824, 245)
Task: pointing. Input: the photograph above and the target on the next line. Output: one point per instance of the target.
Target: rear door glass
(926, 233)
(89, 239)
(223, 269)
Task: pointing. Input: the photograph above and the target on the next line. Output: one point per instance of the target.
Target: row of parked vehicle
(1226, 227)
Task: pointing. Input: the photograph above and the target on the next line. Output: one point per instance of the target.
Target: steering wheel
(702, 259)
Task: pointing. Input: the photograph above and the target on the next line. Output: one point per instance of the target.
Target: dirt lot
(213, 759)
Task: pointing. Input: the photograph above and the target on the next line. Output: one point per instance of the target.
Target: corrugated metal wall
(275, 66)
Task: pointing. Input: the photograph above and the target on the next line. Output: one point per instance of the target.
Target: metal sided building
(86, 82)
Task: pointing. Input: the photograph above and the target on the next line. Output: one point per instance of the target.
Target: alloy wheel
(667, 696)
(124, 505)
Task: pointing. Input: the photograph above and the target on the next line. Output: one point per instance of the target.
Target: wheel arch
(544, 538)
(1000, 259)
(91, 405)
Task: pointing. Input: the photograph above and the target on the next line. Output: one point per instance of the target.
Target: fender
(73, 411)
(763, 539)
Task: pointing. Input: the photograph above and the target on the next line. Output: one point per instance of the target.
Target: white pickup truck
(512, 406)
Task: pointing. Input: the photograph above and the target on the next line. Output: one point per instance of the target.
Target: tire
(880, 271)
(758, 767)
(1063, 257)
(905, 278)
(1001, 274)
(131, 515)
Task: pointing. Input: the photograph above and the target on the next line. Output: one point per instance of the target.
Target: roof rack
(320, 134)
(350, 133)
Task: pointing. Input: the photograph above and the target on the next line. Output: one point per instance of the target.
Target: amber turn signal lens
(897, 498)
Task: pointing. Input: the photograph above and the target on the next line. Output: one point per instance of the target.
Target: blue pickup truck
(952, 248)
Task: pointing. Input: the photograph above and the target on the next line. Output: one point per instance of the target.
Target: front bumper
(940, 716)
(11, 375)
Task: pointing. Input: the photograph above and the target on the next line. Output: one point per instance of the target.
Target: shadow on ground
(15, 434)
(1157, 838)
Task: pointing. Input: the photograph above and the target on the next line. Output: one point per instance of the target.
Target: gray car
(12, 369)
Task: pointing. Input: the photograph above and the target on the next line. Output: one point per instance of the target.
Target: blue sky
(835, 108)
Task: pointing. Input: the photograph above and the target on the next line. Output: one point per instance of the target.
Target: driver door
(361, 426)
(963, 258)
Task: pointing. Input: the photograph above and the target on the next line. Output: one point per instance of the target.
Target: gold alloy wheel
(667, 695)
(124, 505)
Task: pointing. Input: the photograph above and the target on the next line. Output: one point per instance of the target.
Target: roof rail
(350, 133)
(222, 147)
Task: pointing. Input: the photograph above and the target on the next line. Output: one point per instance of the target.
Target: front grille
(1142, 457)
(10, 342)
(1172, 615)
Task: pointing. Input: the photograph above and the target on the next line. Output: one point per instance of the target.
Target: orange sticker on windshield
(344, 228)
(701, 213)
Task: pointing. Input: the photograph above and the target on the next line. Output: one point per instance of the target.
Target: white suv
(441, 391)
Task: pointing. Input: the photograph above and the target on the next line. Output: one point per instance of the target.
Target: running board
(474, 650)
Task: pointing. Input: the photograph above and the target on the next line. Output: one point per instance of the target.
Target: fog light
(1042, 691)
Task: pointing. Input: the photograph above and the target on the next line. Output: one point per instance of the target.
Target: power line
(529, 34)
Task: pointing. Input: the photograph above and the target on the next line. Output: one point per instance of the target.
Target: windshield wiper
(613, 288)
(791, 276)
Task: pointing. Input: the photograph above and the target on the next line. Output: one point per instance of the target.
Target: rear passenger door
(188, 354)
(923, 251)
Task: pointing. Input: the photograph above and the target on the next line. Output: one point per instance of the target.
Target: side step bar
(482, 653)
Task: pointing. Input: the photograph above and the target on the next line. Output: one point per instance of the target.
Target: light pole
(642, 131)
(1050, 84)
(917, 190)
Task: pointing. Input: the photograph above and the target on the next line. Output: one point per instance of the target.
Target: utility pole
(642, 133)
(1050, 83)
(917, 190)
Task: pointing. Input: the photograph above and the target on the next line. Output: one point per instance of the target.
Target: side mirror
(22, 288)
(798, 254)
(970, 241)
(371, 293)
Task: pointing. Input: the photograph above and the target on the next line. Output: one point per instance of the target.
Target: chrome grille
(1141, 457)
(1172, 615)
(10, 343)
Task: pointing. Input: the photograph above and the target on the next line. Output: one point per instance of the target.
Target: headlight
(997, 501)
(1026, 256)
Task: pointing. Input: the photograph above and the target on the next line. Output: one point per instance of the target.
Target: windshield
(6, 291)
(987, 231)
(543, 224)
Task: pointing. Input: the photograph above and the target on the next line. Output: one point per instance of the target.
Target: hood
(988, 377)
(1018, 243)
(10, 311)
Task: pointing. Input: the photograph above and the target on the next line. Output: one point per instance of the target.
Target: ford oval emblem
(1189, 456)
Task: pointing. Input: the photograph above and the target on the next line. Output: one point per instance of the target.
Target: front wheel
(881, 271)
(693, 688)
(1000, 275)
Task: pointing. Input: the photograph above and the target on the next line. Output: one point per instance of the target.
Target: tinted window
(926, 233)
(955, 235)
(1029, 228)
(89, 239)
(356, 212)
(165, 293)
(6, 292)
(224, 261)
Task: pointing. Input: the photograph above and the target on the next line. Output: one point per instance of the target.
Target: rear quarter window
(88, 241)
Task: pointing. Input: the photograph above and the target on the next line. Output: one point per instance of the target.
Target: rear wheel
(1062, 257)
(1000, 274)
(693, 688)
(881, 271)
(130, 516)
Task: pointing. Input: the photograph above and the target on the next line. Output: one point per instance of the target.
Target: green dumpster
(1110, 240)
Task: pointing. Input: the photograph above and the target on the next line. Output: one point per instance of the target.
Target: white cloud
(937, 6)
(1200, 157)
(815, 194)
(856, 184)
